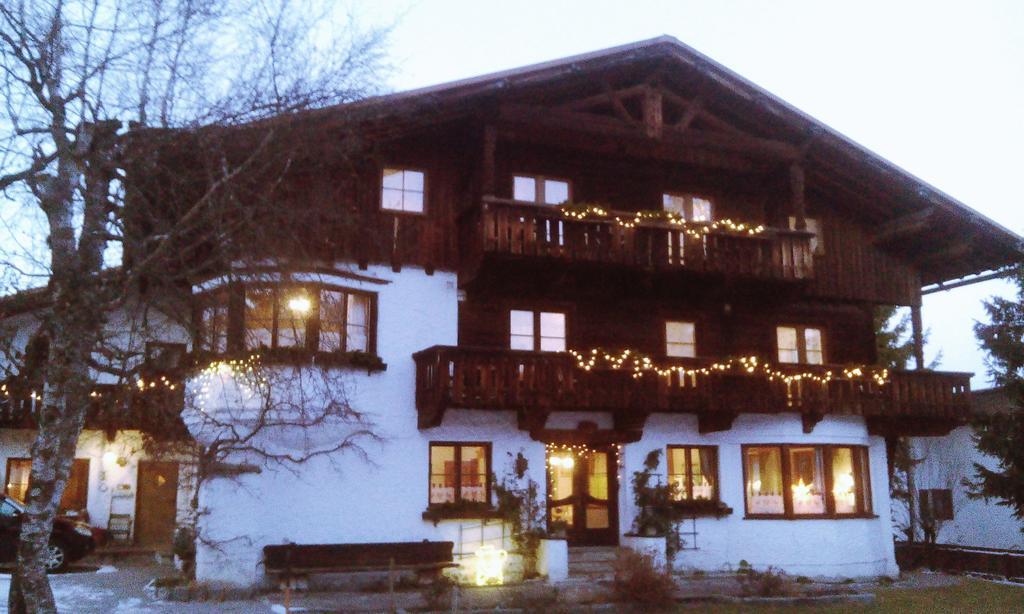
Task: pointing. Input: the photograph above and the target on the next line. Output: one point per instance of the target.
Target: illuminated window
(76, 491)
(764, 481)
(680, 339)
(459, 472)
(693, 472)
(820, 481)
(540, 190)
(800, 344)
(309, 317)
(689, 207)
(542, 331)
(807, 480)
(403, 190)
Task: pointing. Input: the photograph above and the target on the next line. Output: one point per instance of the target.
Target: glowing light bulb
(299, 304)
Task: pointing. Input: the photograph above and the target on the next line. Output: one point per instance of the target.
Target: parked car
(70, 540)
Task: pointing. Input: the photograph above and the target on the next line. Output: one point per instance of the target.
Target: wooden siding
(617, 319)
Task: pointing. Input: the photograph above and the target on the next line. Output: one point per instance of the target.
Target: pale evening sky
(935, 87)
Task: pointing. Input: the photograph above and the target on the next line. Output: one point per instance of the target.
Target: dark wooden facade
(624, 127)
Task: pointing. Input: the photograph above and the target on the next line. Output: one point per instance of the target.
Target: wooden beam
(716, 421)
(620, 109)
(688, 116)
(592, 101)
(612, 127)
(796, 186)
(918, 336)
(953, 252)
(641, 148)
(652, 113)
(900, 227)
(713, 120)
(810, 420)
(490, 145)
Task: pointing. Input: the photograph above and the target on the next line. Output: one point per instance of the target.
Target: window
(541, 190)
(213, 324)
(935, 504)
(680, 339)
(318, 319)
(403, 190)
(814, 227)
(76, 492)
(460, 472)
(800, 344)
(690, 208)
(537, 331)
(806, 481)
(693, 471)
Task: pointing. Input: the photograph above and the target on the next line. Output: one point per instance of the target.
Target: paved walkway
(110, 590)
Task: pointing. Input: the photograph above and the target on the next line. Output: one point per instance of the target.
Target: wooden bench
(427, 559)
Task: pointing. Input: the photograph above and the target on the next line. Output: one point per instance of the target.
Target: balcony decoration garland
(696, 230)
(641, 364)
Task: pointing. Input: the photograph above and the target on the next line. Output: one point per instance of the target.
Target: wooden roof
(946, 239)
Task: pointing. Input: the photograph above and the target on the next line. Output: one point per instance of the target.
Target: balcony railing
(112, 408)
(469, 378)
(509, 228)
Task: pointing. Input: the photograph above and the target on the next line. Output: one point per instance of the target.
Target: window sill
(300, 356)
(704, 508)
(436, 514)
(810, 517)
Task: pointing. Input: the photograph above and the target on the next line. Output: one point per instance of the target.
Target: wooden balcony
(513, 230)
(156, 412)
(535, 384)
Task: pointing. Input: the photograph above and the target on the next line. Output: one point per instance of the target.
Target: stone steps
(595, 562)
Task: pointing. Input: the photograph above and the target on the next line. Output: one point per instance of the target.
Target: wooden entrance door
(156, 504)
(583, 491)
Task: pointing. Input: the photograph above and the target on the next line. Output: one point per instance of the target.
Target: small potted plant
(655, 531)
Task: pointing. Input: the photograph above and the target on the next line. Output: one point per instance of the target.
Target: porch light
(490, 565)
(299, 304)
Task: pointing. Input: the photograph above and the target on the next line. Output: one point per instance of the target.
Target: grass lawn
(968, 596)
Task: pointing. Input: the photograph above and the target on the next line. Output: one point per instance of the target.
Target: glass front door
(583, 495)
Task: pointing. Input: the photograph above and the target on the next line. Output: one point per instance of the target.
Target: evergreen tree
(1001, 435)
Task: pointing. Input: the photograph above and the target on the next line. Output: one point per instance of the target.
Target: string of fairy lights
(633, 219)
(641, 364)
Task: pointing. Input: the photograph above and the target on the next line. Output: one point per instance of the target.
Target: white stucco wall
(112, 488)
(946, 462)
(847, 547)
(381, 498)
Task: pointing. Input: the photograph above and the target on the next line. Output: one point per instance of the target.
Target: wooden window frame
(536, 328)
(237, 329)
(862, 482)
(539, 189)
(801, 343)
(688, 476)
(664, 332)
(458, 445)
(403, 168)
(688, 204)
